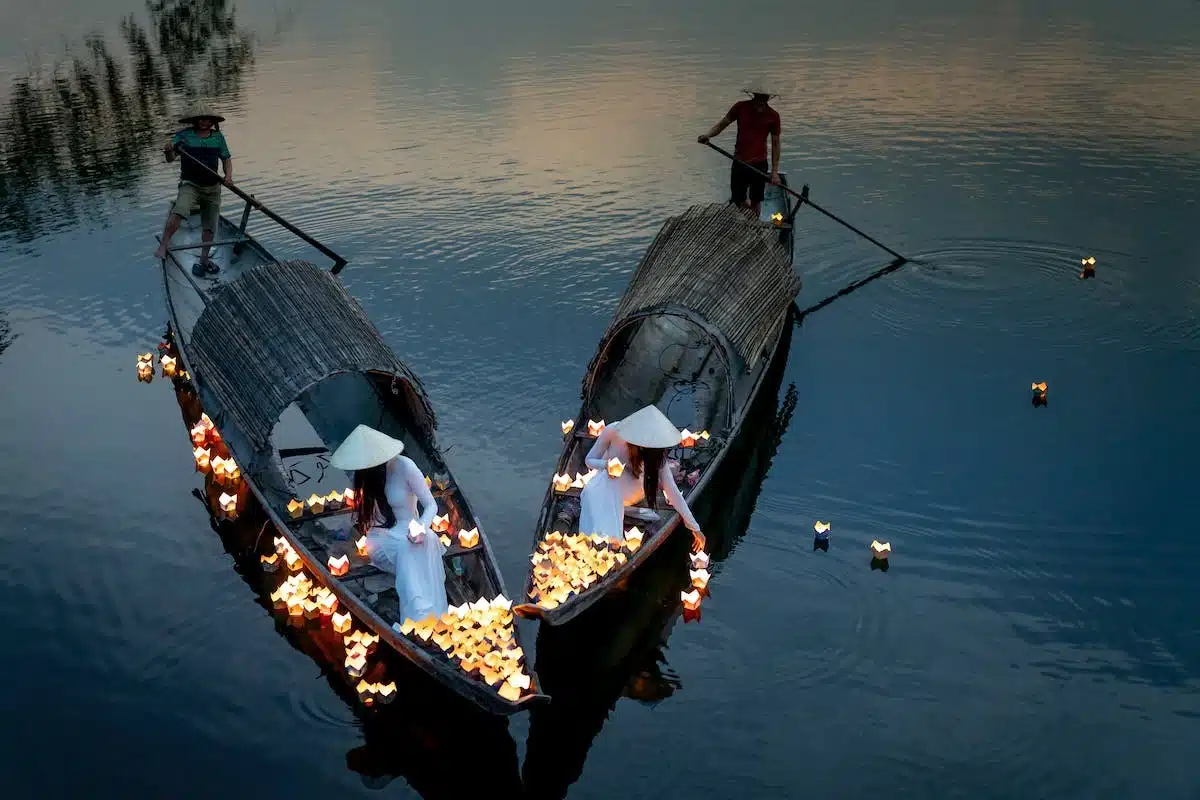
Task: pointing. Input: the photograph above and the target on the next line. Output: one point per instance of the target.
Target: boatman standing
(198, 187)
(755, 120)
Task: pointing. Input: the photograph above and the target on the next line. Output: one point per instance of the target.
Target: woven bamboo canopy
(277, 330)
(721, 264)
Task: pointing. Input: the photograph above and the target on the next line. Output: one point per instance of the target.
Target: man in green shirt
(199, 186)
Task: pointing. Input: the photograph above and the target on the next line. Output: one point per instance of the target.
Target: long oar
(803, 198)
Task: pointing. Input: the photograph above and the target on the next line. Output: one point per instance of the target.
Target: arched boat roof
(725, 267)
(276, 331)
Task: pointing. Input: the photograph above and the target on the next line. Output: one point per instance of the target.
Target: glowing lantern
(633, 538)
(333, 499)
(615, 467)
(594, 427)
(704, 435)
(509, 692)
(295, 607)
(356, 665)
(445, 540)
(295, 508)
(311, 609)
(519, 680)
(328, 603)
(361, 546)
(699, 578)
(881, 550)
(1039, 387)
(587, 476)
(339, 566)
(777, 218)
(269, 563)
(468, 539)
(199, 434)
(568, 425)
(342, 622)
(348, 498)
(386, 692)
(821, 528)
(688, 438)
(281, 545)
(366, 692)
(293, 560)
(218, 468)
(228, 502)
(368, 641)
(230, 471)
(441, 523)
(562, 482)
(1089, 267)
(202, 456)
(691, 600)
(316, 504)
(699, 560)
(168, 366)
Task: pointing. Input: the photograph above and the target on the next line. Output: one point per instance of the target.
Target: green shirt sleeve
(224, 148)
(178, 138)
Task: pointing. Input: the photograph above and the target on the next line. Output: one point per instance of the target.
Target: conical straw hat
(366, 447)
(648, 427)
(202, 112)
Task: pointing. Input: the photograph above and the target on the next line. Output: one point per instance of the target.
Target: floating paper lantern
(441, 523)
(468, 539)
(295, 607)
(360, 546)
(415, 531)
(699, 560)
(615, 467)
(881, 550)
(293, 560)
(328, 603)
(703, 436)
(230, 471)
(777, 218)
(281, 545)
(168, 366)
(342, 622)
(385, 692)
(199, 434)
(445, 540)
(311, 609)
(691, 600)
(316, 504)
(699, 578)
(519, 680)
(562, 482)
(269, 563)
(595, 427)
(348, 498)
(587, 476)
(339, 566)
(295, 508)
(633, 538)
(688, 439)
(1039, 387)
(1089, 268)
(509, 692)
(366, 692)
(821, 528)
(356, 665)
(202, 456)
(228, 502)
(567, 425)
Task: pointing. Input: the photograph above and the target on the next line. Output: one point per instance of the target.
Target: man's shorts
(742, 180)
(207, 198)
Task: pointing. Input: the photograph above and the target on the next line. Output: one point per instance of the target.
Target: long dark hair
(645, 463)
(370, 499)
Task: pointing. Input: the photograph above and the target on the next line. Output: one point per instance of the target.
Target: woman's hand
(697, 541)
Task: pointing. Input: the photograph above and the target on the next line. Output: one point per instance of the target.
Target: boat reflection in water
(420, 735)
(618, 649)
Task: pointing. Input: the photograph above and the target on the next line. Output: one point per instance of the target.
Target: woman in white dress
(387, 489)
(640, 443)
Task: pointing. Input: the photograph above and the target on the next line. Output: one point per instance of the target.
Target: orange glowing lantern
(821, 527)
(281, 545)
(777, 218)
(441, 523)
(594, 427)
(230, 471)
(360, 546)
(366, 692)
(881, 550)
(445, 540)
(699, 578)
(386, 692)
(615, 467)
(1040, 387)
(691, 600)
(633, 538)
(356, 665)
(295, 508)
(316, 504)
(348, 498)
(168, 366)
(327, 604)
(202, 455)
(567, 425)
(218, 468)
(270, 563)
(295, 607)
(228, 502)
(562, 482)
(468, 539)
(293, 560)
(342, 622)
(688, 438)
(199, 434)
(333, 499)
(339, 566)
(699, 560)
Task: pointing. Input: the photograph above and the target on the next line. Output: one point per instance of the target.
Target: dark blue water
(494, 174)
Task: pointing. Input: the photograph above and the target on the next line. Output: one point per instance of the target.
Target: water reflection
(618, 649)
(6, 335)
(419, 735)
(87, 127)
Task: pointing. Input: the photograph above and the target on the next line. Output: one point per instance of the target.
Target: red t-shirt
(753, 127)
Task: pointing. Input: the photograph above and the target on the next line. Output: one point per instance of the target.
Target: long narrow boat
(286, 365)
(694, 334)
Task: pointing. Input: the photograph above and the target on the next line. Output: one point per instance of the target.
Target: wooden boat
(694, 334)
(286, 364)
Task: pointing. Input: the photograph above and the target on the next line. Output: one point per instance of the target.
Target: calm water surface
(494, 173)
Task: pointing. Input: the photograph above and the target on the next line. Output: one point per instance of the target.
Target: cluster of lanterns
(169, 363)
(596, 427)
(879, 550)
(479, 637)
(223, 470)
(301, 597)
(320, 503)
(565, 483)
(699, 577)
(565, 565)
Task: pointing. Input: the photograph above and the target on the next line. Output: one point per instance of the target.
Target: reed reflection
(421, 735)
(618, 649)
(88, 127)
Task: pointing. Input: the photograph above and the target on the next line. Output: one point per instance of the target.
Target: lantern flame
(691, 600)
(342, 622)
(441, 523)
(339, 566)
(468, 539)
(595, 427)
(615, 467)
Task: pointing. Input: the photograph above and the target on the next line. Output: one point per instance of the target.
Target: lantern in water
(202, 456)
(1039, 387)
(777, 218)
(327, 604)
(615, 467)
(366, 692)
(270, 563)
(342, 622)
(360, 545)
(168, 366)
(821, 528)
(230, 471)
(633, 538)
(441, 523)
(699, 578)
(228, 502)
(595, 427)
(295, 606)
(356, 665)
(199, 434)
(339, 566)
(688, 439)
(295, 508)
(562, 482)
(316, 504)
(281, 545)
(1089, 267)
(386, 692)
(293, 560)
(415, 531)
(568, 425)
(469, 538)
(691, 600)
(881, 550)
(699, 560)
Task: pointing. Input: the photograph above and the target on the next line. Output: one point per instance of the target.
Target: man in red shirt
(755, 119)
